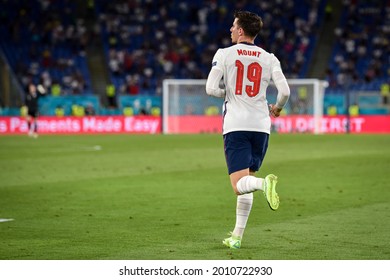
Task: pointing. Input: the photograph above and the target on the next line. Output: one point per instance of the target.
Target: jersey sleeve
(275, 64)
(215, 75)
(280, 83)
(218, 60)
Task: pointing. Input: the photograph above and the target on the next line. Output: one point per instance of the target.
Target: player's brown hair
(250, 22)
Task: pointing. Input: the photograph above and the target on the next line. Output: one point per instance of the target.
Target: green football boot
(233, 242)
(269, 187)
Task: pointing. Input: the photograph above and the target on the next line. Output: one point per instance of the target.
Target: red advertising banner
(75, 125)
(287, 124)
(337, 124)
(189, 124)
(194, 124)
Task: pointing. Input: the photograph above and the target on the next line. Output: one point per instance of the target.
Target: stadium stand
(360, 58)
(361, 53)
(147, 41)
(44, 42)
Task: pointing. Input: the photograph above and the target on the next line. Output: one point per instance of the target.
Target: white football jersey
(247, 71)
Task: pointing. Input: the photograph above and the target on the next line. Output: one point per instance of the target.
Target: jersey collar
(246, 43)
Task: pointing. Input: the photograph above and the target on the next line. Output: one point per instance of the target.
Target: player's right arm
(215, 76)
(212, 84)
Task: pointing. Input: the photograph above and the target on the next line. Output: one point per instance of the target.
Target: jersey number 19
(253, 74)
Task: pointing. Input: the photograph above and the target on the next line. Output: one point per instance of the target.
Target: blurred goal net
(188, 109)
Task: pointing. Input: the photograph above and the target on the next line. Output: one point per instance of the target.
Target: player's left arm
(283, 93)
(282, 87)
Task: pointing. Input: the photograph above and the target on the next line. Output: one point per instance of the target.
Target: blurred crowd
(45, 42)
(146, 41)
(362, 53)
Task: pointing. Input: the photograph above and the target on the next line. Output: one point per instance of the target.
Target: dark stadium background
(109, 58)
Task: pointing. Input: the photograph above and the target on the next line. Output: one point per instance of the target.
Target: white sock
(248, 184)
(244, 206)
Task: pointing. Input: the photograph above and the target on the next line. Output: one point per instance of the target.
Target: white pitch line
(93, 148)
(5, 220)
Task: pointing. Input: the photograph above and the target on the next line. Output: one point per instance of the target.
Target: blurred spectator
(78, 110)
(111, 95)
(354, 110)
(59, 111)
(132, 85)
(56, 88)
(31, 102)
(385, 92)
(331, 110)
(89, 109)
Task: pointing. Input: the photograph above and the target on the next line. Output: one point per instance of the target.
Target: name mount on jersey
(248, 53)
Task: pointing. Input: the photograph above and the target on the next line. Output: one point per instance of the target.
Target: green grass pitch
(128, 197)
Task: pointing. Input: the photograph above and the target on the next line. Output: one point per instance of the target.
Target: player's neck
(246, 40)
